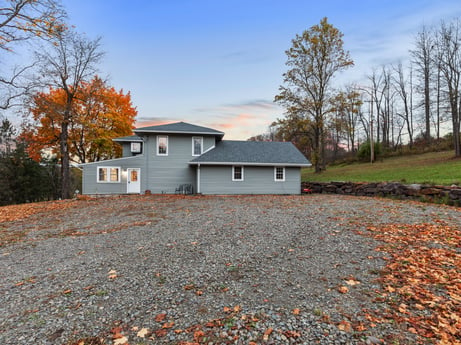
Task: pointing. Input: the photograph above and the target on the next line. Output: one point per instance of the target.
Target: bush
(364, 152)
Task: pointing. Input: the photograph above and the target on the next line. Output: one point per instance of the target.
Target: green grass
(431, 168)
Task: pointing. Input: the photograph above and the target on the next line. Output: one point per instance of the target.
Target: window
(162, 145)
(197, 146)
(279, 174)
(109, 174)
(136, 147)
(237, 173)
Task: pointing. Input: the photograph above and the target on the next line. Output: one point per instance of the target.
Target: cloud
(152, 121)
(242, 120)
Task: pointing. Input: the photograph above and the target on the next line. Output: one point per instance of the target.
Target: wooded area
(400, 105)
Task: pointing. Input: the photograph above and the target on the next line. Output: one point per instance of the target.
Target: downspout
(198, 179)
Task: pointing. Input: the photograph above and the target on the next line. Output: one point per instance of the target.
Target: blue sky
(220, 63)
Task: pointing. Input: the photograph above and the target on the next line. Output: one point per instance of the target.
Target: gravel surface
(209, 270)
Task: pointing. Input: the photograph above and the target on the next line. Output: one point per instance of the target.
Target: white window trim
(108, 174)
(201, 146)
(233, 173)
(157, 146)
(275, 174)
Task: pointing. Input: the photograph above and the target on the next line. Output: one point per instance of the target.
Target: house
(185, 158)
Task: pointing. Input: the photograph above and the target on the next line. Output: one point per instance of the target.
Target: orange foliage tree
(99, 114)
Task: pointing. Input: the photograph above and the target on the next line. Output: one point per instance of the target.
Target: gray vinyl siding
(159, 174)
(166, 173)
(257, 180)
(90, 185)
(126, 149)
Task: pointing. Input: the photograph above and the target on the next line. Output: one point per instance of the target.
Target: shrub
(364, 151)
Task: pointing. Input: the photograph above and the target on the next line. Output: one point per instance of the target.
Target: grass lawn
(432, 168)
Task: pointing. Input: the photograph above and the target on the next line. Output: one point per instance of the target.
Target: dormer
(132, 145)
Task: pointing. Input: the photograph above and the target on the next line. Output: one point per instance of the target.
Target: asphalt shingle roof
(179, 127)
(253, 153)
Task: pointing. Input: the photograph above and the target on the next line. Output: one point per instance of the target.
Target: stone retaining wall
(441, 194)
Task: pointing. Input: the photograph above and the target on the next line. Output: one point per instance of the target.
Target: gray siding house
(185, 158)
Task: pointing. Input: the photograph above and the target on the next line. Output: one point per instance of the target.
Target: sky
(220, 63)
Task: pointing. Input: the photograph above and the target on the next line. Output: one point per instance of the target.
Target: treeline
(23, 179)
(399, 106)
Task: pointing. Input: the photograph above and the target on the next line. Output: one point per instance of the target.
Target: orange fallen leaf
(343, 289)
(352, 282)
(296, 311)
(344, 326)
(168, 325)
(267, 333)
(160, 317)
(160, 332)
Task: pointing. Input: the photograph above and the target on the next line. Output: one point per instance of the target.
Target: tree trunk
(65, 168)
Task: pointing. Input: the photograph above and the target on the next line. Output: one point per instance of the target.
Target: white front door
(133, 180)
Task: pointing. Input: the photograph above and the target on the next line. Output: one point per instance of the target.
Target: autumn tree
(99, 114)
(314, 58)
(22, 21)
(65, 64)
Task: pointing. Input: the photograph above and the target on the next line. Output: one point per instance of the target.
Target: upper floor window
(197, 146)
(279, 174)
(162, 145)
(237, 173)
(108, 174)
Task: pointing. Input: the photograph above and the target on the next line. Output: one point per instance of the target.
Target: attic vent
(136, 147)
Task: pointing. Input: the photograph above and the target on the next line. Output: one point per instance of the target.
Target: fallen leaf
(168, 325)
(296, 311)
(142, 332)
(344, 326)
(352, 282)
(267, 333)
(160, 332)
(343, 289)
(121, 341)
(160, 317)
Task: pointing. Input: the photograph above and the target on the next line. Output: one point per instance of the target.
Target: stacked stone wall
(450, 195)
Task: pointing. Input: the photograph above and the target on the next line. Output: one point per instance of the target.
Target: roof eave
(128, 140)
(221, 134)
(301, 165)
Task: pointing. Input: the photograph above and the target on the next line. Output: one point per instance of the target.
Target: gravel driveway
(209, 270)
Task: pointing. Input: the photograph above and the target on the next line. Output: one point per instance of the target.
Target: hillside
(432, 168)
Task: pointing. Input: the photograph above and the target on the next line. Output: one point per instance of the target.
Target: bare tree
(401, 85)
(21, 21)
(449, 45)
(70, 60)
(423, 59)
